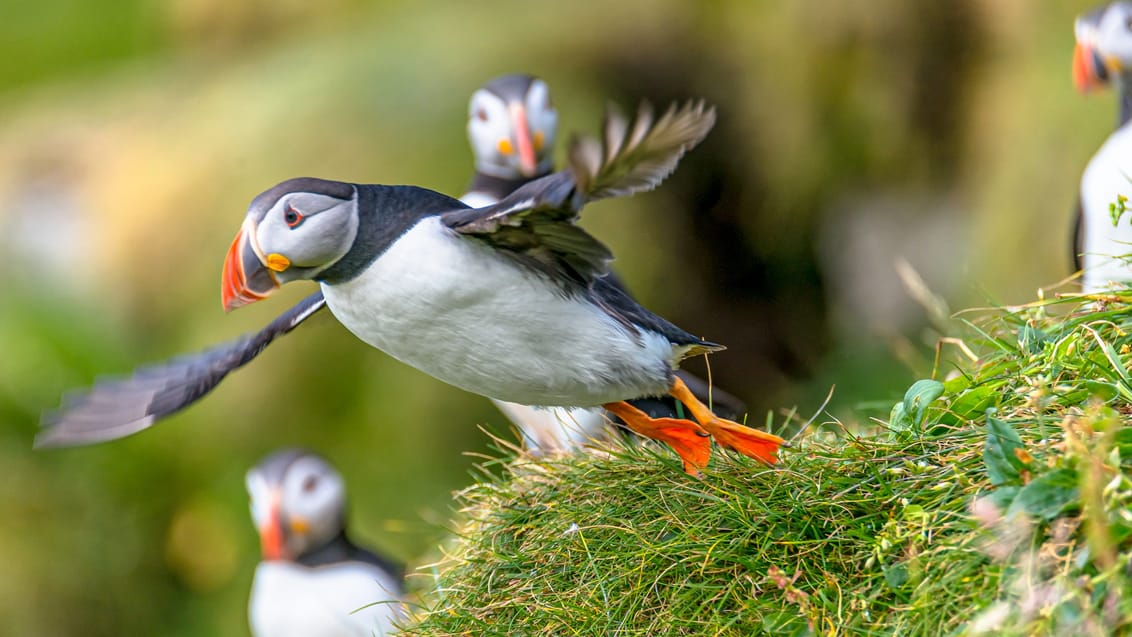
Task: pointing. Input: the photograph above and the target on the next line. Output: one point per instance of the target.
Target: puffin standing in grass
(509, 300)
(1103, 55)
(313, 581)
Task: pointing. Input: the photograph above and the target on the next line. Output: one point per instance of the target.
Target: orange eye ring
(292, 217)
(539, 140)
(505, 147)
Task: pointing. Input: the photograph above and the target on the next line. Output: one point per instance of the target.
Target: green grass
(993, 501)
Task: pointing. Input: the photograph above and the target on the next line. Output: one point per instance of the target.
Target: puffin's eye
(481, 115)
(1128, 23)
(310, 483)
(292, 217)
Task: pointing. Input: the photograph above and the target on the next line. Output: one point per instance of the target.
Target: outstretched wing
(115, 408)
(536, 222)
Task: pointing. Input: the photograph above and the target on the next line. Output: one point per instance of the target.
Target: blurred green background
(133, 133)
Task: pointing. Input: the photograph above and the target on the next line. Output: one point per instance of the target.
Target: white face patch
(490, 123)
(311, 496)
(312, 231)
(260, 497)
(1114, 35)
(313, 492)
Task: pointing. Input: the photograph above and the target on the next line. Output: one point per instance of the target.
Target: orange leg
(686, 438)
(730, 435)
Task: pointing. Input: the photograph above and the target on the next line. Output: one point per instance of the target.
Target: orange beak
(245, 278)
(528, 165)
(271, 533)
(1088, 69)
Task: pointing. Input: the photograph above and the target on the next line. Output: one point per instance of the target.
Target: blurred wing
(536, 222)
(115, 408)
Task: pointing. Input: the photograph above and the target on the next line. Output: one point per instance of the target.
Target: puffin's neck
(384, 214)
(341, 549)
(498, 187)
(336, 550)
(1124, 86)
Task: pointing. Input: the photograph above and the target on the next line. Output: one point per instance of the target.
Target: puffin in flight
(509, 300)
(313, 581)
(1103, 55)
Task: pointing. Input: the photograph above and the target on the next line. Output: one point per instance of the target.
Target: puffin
(1103, 55)
(313, 581)
(512, 126)
(509, 300)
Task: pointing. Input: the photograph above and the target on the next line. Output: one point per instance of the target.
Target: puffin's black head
(511, 127)
(297, 502)
(293, 231)
(1104, 45)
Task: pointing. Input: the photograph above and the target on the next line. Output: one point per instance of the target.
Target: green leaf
(969, 404)
(898, 418)
(910, 412)
(999, 458)
(1047, 496)
(1123, 442)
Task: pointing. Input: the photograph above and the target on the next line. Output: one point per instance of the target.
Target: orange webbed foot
(686, 438)
(747, 441)
(730, 435)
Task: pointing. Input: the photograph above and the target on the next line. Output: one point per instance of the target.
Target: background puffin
(1103, 55)
(313, 581)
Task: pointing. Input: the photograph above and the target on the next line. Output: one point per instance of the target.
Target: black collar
(341, 549)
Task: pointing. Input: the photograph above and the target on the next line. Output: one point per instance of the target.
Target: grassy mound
(994, 502)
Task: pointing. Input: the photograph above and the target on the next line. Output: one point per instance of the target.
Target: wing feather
(115, 408)
(535, 224)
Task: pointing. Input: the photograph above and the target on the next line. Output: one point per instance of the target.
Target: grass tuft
(995, 500)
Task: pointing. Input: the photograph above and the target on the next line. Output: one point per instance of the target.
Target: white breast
(1107, 175)
(350, 599)
(458, 310)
